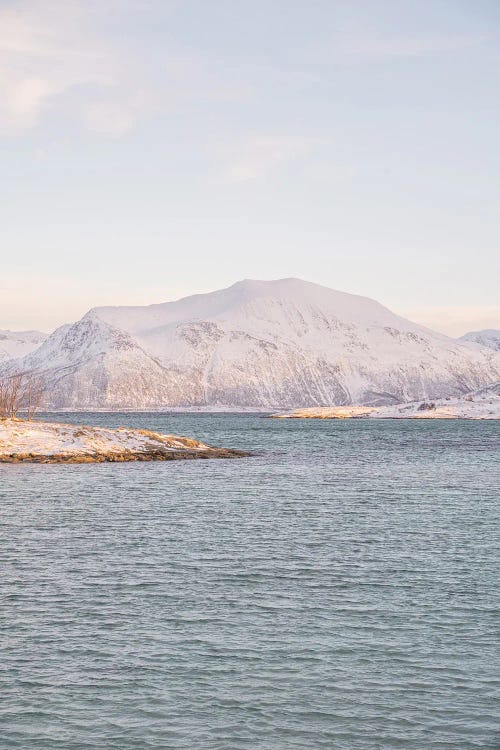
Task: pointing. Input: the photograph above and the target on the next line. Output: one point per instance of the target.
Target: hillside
(254, 345)
(16, 344)
(489, 337)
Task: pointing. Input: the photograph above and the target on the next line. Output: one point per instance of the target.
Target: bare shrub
(20, 391)
(34, 391)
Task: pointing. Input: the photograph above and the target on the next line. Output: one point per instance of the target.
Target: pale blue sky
(155, 148)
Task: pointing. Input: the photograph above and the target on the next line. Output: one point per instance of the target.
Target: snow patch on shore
(50, 439)
(482, 404)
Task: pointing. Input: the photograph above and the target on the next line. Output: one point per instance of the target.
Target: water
(338, 590)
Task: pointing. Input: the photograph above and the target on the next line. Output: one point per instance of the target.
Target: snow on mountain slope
(238, 299)
(14, 344)
(257, 344)
(489, 337)
(92, 364)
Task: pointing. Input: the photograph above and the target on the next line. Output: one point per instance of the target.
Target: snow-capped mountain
(490, 337)
(257, 344)
(15, 344)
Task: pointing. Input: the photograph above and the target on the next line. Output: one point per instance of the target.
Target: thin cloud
(54, 60)
(353, 45)
(47, 50)
(259, 155)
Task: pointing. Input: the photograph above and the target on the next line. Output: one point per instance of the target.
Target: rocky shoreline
(481, 404)
(51, 442)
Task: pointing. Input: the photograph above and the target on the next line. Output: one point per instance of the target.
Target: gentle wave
(337, 590)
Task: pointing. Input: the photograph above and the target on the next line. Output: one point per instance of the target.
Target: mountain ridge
(15, 344)
(255, 344)
(489, 337)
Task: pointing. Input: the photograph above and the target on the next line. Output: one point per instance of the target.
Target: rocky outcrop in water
(49, 442)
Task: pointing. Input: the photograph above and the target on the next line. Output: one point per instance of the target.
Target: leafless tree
(4, 389)
(34, 391)
(12, 394)
(20, 390)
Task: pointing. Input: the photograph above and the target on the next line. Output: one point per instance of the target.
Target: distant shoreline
(481, 406)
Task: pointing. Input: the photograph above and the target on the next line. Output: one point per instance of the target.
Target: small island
(52, 442)
(481, 404)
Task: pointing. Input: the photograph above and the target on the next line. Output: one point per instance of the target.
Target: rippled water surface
(339, 589)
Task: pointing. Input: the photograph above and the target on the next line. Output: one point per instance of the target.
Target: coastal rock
(50, 442)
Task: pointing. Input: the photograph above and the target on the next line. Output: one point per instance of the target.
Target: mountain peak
(234, 303)
(257, 344)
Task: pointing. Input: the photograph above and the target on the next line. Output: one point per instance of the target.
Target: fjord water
(338, 589)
